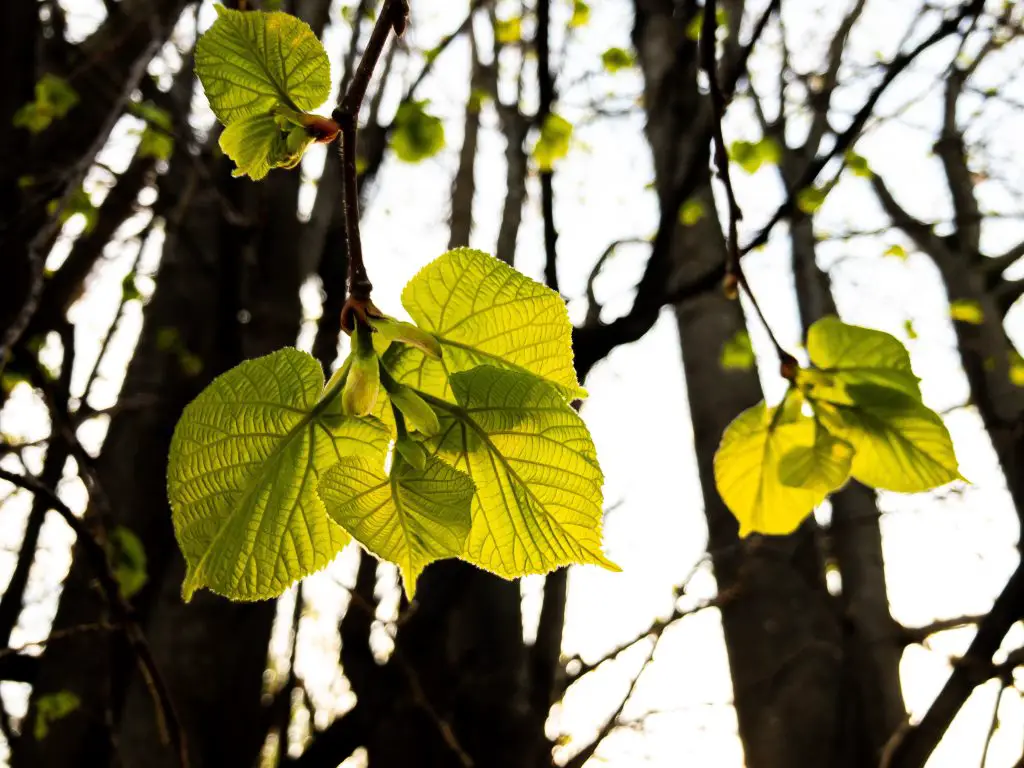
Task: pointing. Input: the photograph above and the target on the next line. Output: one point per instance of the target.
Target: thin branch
(593, 317)
(913, 635)
(120, 610)
(994, 724)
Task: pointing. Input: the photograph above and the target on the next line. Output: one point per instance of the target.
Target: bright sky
(947, 553)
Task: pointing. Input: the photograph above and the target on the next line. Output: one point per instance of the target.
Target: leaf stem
(393, 16)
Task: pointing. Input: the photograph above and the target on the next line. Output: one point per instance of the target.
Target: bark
(782, 634)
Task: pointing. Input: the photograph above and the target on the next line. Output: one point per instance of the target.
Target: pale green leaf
(244, 464)
(251, 61)
(850, 355)
(483, 312)
(538, 503)
(251, 142)
(416, 135)
(52, 707)
(747, 468)
(899, 443)
(896, 252)
(410, 518)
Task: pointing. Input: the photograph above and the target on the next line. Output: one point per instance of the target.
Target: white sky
(947, 553)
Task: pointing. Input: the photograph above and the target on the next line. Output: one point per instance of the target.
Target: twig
(994, 724)
(121, 611)
(393, 16)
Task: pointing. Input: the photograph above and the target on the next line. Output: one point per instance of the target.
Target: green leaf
(128, 559)
(900, 444)
(858, 165)
(752, 155)
(79, 203)
(244, 465)
(538, 502)
(580, 14)
(250, 62)
(691, 212)
(810, 199)
(251, 142)
(54, 99)
(967, 311)
(1016, 364)
(822, 467)
(748, 467)
(483, 312)
(617, 59)
(738, 353)
(849, 355)
(508, 31)
(896, 252)
(410, 518)
(416, 135)
(157, 140)
(553, 143)
(53, 707)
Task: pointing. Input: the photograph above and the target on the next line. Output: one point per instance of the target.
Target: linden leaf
(250, 62)
(538, 502)
(410, 518)
(748, 467)
(900, 444)
(849, 355)
(483, 312)
(244, 465)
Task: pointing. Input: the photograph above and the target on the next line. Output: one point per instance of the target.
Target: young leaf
(483, 312)
(255, 144)
(411, 518)
(900, 444)
(416, 135)
(244, 464)
(748, 468)
(852, 356)
(823, 467)
(538, 502)
(250, 62)
(54, 99)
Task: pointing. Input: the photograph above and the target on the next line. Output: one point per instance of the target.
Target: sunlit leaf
(553, 143)
(738, 353)
(967, 311)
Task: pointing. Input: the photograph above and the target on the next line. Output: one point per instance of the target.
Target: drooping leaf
(738, 353)
(553, 143)
(244, 465)
(822, 467)
(416, 135)
(849, 355)
(412, 517)
(54, 98)
(52, 707)
(857, 164)
(251, 142)
(538, 502)
(483, 312)
(250, 62)
(748, 468)
(899, 443)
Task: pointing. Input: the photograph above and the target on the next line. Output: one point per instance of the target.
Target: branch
(920, 232)
(915, 635)
(121, 611)
(999, 264)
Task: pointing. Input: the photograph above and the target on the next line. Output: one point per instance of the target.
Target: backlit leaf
(244, 465)
(553, 143)
(416, 135)
(410, 518)
(538, 502)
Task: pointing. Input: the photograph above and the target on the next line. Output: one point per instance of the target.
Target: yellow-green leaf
(851, 355)
(483, 312)
(823, 467)
(899, 443)
(251, 61)
(738, 353)
(580, 14)
(810, 199)
(412, 517)
(538, 502)
(54, 98)
(553, 143)
(508, 31)
(748, 464)
(896, 252)
(691, 212)
(243, 469)
(416, 135)
(967, 311)
(51, 708)
(617, 59)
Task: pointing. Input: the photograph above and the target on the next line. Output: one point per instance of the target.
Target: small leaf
(900, 444)
(483, 312)
(617, 59)
(691, 212)
(580, 14)
(54, 99)
(508, 31)
(810, 199)
(738, 353)
(858, 165)
(252, 142)
(244, 464)
(79, 203)
(411, 518)
(393, 330)
(748, 463)
(851, 355)
(1016, 363)
(752, 155)
(52, 707)
(156, 140)
(538, 502)
(967, 311)
(128, 559)
(416, 135)
(359, 393)
(553, 143)
(250, 62)
(896, 252)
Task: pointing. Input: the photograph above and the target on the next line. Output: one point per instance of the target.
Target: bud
(411, 451)
(419, 414)
(360, 393)
(407, 333)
